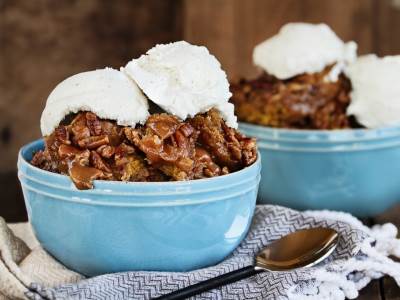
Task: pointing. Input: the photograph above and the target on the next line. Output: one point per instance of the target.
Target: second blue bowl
(357, 171)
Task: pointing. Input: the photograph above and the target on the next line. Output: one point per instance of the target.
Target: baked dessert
(306, 101)
(303, 84)
(163, 149)
(104, 125)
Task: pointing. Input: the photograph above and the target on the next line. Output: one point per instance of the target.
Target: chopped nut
(66, 151)
(163, 125)
(220, 140)
(204, 165)
(98, 162)
(62, 135)
(93, 142)
(80, 132)
(124, 150)
(106, 151)
(113, 131)
(93, 124)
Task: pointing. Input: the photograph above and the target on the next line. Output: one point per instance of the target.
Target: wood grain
(211, 23)
(254, 22)
(387, 33)
(390, 288)
(371, 292)
(350, 19)
(12, 207)
(238, 26)
(392, 215)
(44, 41)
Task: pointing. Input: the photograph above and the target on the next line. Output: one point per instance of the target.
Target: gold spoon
(300, 249)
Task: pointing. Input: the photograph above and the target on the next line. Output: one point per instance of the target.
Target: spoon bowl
(300, 249)
(303, 248)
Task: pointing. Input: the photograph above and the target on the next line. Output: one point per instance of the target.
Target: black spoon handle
(212, 283)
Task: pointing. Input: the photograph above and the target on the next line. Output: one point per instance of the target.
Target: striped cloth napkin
(28, 272)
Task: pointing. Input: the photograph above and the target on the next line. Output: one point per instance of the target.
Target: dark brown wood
(254, 22)
(231, 28)
(44, 41)
(392, 215)
(211, 23)
(388, 287)
(350, 19)
(387, 31)
(12, 206)
(371, 292)
(237, 26)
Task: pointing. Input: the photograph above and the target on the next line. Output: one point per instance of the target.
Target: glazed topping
(163, 149)
(83, 176)
(306, 101)
(167, 143)
(227, 145)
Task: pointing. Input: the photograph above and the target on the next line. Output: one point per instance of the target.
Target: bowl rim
(26, 163)
(316, 135)
(326, 131)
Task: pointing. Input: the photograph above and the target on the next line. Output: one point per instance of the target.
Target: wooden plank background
(231, 28)
(45, 41)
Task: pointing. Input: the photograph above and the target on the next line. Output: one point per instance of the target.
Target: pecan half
(62, 135)
(98, 162)
(93, 142)
(93, 124)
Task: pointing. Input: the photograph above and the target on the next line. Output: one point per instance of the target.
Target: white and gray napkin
(28, 272)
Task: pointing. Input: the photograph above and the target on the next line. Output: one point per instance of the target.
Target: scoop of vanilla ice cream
(184, 80)
(303, 48)
(375, 96)
(107, 92)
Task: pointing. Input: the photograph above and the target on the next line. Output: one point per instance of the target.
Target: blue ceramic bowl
(357, 171)
(118, 226)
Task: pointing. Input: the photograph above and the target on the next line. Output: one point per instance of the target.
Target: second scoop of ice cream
(375, 99)
(303, 48)
(184, 80)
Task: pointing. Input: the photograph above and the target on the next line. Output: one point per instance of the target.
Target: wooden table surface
(384, 288)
